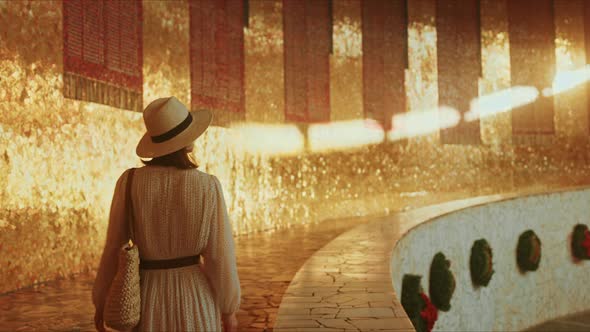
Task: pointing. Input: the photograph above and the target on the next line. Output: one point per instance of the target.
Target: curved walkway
(346, 285)
(267, 263)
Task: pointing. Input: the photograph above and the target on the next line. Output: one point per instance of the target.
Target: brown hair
(180, 159)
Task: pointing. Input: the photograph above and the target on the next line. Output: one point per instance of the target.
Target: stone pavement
(347, 285)
(63, 305)
(266, 265)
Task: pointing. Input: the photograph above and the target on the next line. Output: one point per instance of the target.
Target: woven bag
(123, 302)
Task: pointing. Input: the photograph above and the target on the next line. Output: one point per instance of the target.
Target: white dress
(177, 213)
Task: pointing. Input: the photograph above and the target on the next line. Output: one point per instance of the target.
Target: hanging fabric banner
(217, 58)
(103, 52)
(307, 43)
(385, 59)
(532, 63)
(459, 64)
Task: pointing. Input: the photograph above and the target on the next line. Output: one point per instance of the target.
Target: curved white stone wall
(512, 301)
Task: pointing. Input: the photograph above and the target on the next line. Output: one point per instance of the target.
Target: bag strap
(129, 204)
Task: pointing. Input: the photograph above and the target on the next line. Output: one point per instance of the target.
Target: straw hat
(170, 127)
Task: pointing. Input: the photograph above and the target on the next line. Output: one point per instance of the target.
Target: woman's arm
(116, 237)
(220, 257)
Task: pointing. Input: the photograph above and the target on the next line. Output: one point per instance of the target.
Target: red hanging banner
(103, 52)
(217, 58)
(532, 63)
(459, 64)
(385, 58)
(307, 44)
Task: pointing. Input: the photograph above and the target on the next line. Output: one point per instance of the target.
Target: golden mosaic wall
(495, 130)
(59, 158)
(264, 57)
(571, 119)
(346, 75)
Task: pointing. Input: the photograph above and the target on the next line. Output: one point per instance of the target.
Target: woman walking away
(179, 215)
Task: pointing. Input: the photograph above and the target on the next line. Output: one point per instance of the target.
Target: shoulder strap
(129, 204)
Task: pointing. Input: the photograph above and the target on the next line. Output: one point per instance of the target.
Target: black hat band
(174, 131)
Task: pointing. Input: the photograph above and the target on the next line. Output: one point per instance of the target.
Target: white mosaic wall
(512, 301)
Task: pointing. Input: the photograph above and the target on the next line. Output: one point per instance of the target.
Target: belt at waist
(169, 263)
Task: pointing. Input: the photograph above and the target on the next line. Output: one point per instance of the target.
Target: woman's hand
(230, 323)
(98, 320)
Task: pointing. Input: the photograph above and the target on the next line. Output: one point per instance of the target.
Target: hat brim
(148, 149)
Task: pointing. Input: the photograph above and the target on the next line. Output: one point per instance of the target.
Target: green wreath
(481, 263)
(528, 251)
(442, 282)
(422, 313)
(412, 302)
(580, 242)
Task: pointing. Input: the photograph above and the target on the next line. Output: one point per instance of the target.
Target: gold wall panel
(166, 69)
(571, 114)
(422, 77)
(346, 73)
(496, 130)
(264, 62)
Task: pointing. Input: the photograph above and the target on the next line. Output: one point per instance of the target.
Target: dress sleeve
(117, 235)
(219, 256)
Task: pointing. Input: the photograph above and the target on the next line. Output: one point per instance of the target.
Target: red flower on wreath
(586, 243)
(429, 313)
